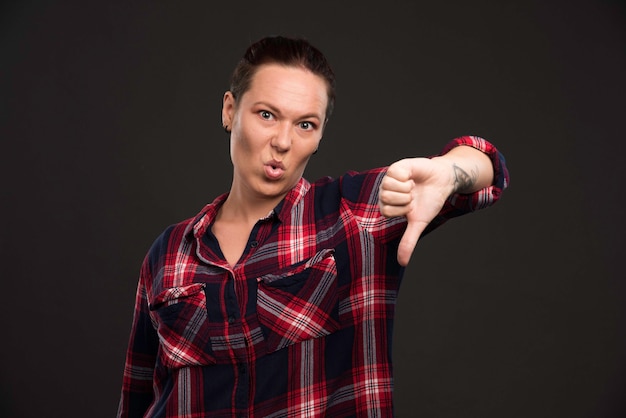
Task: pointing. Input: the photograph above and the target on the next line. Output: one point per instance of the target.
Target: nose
(281, 139)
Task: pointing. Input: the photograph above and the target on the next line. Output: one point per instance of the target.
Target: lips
(274, 170)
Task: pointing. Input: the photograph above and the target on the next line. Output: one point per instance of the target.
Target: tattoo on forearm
(463, 180)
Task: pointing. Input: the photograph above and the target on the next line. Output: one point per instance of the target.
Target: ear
(228, 109)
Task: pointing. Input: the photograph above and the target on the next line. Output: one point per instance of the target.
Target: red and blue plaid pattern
(300, 327)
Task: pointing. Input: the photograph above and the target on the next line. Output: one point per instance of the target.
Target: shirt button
(254, 244)
(231, 319)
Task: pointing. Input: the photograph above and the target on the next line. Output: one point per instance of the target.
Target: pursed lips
(274, 169)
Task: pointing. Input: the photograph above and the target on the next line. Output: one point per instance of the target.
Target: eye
(265, 114)
(307, 125)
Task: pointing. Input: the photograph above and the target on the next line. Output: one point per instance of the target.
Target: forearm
(472, 169)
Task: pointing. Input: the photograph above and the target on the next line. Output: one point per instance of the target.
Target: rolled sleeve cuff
(489, 195)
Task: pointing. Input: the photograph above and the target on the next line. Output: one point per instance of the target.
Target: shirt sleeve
(137, 393)
(359, 192)
(460, 204)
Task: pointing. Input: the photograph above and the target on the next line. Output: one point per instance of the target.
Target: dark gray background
(111, 130)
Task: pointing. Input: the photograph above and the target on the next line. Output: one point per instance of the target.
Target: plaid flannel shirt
(299, 327)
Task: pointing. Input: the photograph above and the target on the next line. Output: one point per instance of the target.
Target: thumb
(409, 241)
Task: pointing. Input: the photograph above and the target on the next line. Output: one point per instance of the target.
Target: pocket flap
(173, 294)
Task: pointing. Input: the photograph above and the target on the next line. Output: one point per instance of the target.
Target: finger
(389, 197)
(391, 211)
(409, 241)
(395, 184)
(399, 170)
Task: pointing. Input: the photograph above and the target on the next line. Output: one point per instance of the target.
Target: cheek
(241, 147)
(304, 157)
(252, 138)
(308, 147)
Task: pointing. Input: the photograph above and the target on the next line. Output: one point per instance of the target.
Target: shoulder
(178, 235)
(169, 240)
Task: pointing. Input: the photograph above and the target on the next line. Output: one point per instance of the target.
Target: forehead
(289, 88)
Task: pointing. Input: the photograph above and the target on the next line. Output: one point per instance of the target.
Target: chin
(274, 190)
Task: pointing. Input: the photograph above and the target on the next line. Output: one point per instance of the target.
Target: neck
(248, 210)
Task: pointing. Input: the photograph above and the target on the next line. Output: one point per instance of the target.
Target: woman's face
(276, 125)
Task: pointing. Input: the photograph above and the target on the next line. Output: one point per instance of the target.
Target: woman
(277, 299)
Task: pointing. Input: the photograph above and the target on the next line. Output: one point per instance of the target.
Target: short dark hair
(285, 51)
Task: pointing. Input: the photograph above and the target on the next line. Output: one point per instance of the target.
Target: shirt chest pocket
(182, 326)
(300, 303)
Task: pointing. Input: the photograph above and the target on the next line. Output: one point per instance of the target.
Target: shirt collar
(199, 225)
